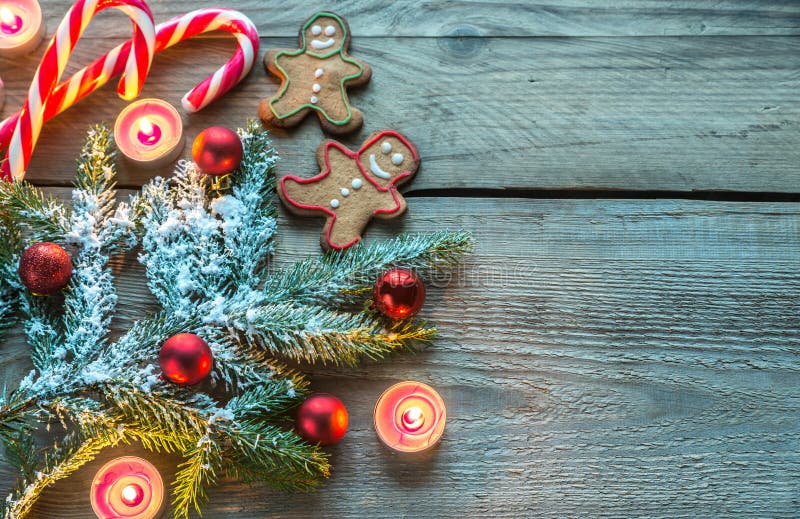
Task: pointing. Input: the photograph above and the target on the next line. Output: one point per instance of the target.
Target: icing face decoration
(387, 158)
(324, 34)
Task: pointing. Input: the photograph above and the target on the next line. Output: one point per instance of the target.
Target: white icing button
(330, 30)
(318, 72)
(334, 203)
(315, 87)
(345, 191)
(314, 100)
(386, 147)
(397, 159)
(356, 183)
(316, 30)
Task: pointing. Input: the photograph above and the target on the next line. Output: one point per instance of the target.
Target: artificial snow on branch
(206, 257)
(9, 245)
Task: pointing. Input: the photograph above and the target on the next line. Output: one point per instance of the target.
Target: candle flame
(6, 16)
(132, 495)
(413, 418)
(145, 126)
(129, 493)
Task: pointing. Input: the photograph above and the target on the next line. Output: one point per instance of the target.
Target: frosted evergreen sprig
(206, 257)
(340, 278)
(321, 335)
(41, 216)
(9, 245)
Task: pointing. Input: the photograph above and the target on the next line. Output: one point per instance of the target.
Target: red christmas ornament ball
(398, 294)
(45, 268)
(217, 151)
(185, 359)
(322, 419)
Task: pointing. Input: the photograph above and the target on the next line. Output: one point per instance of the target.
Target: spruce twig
(9, 246)
(206, 257)
(337, 279)
(42, 217)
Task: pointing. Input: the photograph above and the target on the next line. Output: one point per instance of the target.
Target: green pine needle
(356, 269)
(206, 254)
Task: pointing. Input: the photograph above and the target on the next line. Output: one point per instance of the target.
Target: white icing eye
(356, 183)
(397, 159)
(334, 203)
(330, 30)
(316, 30)
(386, 147)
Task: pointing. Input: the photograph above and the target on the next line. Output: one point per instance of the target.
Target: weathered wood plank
(598, 358)
(679, 114)
(456, 18)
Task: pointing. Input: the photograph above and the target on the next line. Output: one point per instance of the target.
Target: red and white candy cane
(137, 65)
(168, 34)
(94, 76)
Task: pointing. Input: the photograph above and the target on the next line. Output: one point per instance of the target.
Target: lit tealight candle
(127, 487)
(410, 417)
(149, 132)
(21, 27)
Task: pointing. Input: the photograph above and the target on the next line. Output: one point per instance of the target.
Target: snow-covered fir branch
(206, 256)
(41, 216)
(9, 245)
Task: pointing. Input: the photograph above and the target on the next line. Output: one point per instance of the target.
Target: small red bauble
(45, 268)
(185, 359)
(398, 294)
(322, 419)
(217, 151)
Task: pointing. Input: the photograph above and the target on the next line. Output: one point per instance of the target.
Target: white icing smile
(319, 44)
(377, 169)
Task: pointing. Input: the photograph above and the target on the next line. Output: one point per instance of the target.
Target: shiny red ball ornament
(398, 294)
(217, 151)
(45, 268)
(322, 419)
(185, 359)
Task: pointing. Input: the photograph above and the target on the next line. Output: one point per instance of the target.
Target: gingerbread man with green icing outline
(315, 78)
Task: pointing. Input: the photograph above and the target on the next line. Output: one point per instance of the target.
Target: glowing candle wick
(9, 22)
(132, 495)
(413, 418)
(149, 133)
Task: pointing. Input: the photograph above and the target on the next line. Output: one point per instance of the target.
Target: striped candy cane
(94, 76)
(137, 65)
(168, 34)
(230, 74)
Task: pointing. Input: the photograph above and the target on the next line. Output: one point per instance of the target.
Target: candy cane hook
(230, 74)
(137, 65)
(170, 33)
(94, 76)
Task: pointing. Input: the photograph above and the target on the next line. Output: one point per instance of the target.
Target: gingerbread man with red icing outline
(353, 187)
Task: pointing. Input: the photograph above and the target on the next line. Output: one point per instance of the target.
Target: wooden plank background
(625, 341)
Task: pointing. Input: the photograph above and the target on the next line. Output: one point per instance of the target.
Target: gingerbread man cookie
(353, 187)
(315, 78)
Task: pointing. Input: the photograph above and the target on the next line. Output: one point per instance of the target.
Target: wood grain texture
(595, 361)
(468, 18)
(676, 114)
(599, 358)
